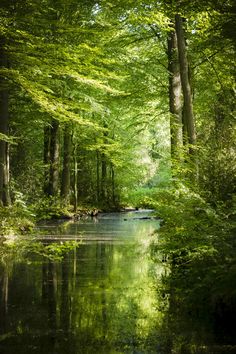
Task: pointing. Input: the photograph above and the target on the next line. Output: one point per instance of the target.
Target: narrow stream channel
(102, 298)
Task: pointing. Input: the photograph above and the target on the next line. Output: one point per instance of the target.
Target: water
(101, 298)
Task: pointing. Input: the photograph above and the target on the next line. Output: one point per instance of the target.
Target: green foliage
(142, 198)
(33, 250)
(48, 208)
(102, 68)
(189, 220)
(16, 219)
(197, 244)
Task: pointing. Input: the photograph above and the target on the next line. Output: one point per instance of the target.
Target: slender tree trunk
(103, 177)
(186, 87)
(75, 184)
(54, 159)
(65, 181)
(5, 199)
(113, 184)
(104, 168)
(75, 176)
(46, 157)
(175, 103)
(98, 178)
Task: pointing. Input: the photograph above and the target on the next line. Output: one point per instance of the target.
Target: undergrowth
(196, 243)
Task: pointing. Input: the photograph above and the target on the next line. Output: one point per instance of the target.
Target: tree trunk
(103, 177)
(186, 87)
(46, 157)
(175, 103)
(98, 178)
(113, 185)
(104, 168)
(75, 176)
(5, 199)
(54, 159)
(65, 180)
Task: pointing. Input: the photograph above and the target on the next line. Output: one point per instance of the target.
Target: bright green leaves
(8, 139)
(34, 251)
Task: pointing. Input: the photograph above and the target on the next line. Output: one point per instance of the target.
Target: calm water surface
(102, 298)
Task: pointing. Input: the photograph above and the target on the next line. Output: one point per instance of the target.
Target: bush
(198, 246)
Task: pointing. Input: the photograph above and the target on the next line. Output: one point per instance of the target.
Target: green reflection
(101, 297)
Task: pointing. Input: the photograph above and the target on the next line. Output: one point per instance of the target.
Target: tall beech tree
(188, 116)
(4, 129)
(66, 167)
(53, 183)
(175, 99)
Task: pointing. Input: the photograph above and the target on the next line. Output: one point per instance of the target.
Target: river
(100, 298)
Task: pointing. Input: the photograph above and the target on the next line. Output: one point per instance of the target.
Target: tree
(4, 123)
(66, 170)
(186, 86)
(175, 101)
(53, 183)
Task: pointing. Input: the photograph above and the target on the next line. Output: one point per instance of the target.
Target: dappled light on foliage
(126, 104)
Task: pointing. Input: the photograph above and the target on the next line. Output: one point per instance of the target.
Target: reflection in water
(4, 301)
(101, 298)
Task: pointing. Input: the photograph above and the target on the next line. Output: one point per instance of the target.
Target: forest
(106, 105)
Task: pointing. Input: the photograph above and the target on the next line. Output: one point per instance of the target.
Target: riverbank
(16, 221)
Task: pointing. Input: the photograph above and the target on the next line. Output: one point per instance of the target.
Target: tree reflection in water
(102, 297)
